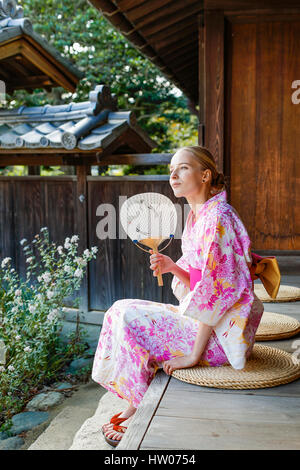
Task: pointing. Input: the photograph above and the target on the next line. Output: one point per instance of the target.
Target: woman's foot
(108, 429)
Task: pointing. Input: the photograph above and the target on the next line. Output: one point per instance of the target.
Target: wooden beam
(170, 20)
(178, 53)
(214, 84)
(31, 82)
(69, 75)
(11, 49)
(44, 159)
(184, 31)
(45, 65)
(150, 11)
(88, 159)
(137, 159)
(37, 57)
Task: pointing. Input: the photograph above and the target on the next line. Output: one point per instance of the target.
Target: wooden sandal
(116, 421)
(115, 442)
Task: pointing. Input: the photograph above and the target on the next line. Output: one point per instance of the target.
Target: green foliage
(31, 317)
(84, 37)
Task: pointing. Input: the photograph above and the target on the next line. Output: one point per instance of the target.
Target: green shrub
(31, 317)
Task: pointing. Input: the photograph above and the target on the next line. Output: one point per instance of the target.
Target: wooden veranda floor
(177, 415)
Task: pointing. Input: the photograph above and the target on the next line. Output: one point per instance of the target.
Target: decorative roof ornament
(101, 98)
(12, 14)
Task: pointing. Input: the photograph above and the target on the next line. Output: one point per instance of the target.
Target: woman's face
(186, 174)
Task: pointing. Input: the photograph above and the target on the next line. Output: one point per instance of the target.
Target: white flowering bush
(31, 314)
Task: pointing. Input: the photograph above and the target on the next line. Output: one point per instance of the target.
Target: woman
(218, 312)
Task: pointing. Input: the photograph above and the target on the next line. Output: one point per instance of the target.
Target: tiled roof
(88, 125)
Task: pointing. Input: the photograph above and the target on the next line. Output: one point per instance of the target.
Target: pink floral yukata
(137, 336)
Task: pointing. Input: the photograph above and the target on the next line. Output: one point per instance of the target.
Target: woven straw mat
(285, 294)
(266, 367)
(276, 326)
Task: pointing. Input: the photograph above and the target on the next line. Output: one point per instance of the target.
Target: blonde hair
(207, 161)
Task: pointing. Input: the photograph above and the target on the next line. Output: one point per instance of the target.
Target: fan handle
(154, 244)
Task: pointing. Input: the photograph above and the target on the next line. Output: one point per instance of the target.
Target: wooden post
(34, 170)
(82, 228)
(214, 84)
(201, 78)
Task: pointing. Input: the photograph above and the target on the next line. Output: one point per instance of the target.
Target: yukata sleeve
(180, 290)
(225, 273)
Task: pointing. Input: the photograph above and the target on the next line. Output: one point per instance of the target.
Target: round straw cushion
(266, 367)
(276, 326)
(285, 293)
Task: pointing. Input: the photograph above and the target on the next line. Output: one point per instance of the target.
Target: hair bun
(219, 181)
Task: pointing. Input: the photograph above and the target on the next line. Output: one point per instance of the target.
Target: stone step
(89, 436)
(59, 434)
(68, 418)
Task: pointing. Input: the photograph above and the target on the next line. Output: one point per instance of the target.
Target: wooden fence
(87, 206)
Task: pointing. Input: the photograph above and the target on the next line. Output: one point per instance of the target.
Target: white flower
(60, 249)
(67, 245)
(50, 294)
(24, 240)
(86, 252)
(29, 260)
(81, 261)
(11, 368)
(27, 349)
(78, 273)
(68, 269)
(46, 277)
(40, 278)
(32, 308)
(2, 368)
(74, 239)
(53, 315)
(94, 249)
(5, 261)
(18, 292)
(43, 229)
(18, 337)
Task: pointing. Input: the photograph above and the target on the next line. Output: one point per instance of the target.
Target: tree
(79, 32)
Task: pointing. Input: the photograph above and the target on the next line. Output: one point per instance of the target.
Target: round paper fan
(149, 219)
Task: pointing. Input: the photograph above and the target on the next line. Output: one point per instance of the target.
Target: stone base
(89, 436)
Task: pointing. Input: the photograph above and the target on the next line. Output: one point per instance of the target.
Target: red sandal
(116, 421)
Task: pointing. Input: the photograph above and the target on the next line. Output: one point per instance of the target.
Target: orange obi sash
(267, 270)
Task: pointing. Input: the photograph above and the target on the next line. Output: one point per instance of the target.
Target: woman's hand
(180, 362)
(157, 260)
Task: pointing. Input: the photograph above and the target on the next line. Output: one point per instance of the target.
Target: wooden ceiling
(25, 64)
(27, 60)
(166, 31)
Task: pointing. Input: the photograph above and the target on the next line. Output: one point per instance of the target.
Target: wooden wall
(263, 129)
(121, 270)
